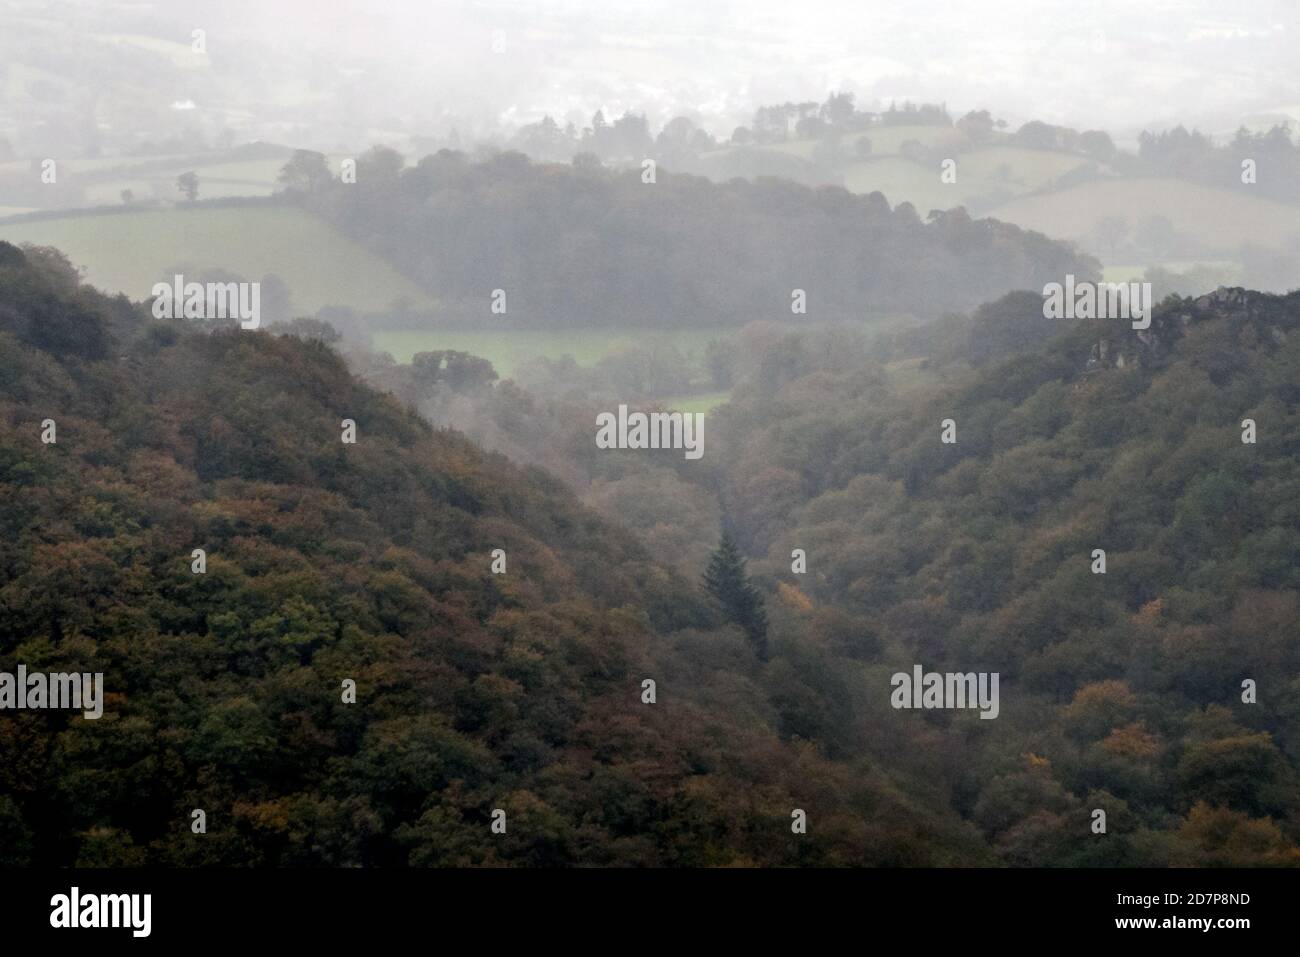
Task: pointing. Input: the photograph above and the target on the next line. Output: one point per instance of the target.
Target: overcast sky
(338, 73)
(1118, 64)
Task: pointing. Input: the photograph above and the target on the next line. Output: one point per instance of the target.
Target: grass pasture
(223, 174)
(1226, 217)
(129, 251)
(703, 402)
(889, 140)
(902, 180)
(1016, 168)
(219, 180)
(509, 348)
(981, 173)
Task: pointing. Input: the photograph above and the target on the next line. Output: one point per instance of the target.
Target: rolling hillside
(369, 562)
(129, 251)
(986, 175)
(1223, 217)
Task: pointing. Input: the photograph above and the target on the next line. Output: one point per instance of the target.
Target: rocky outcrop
(1253, 318)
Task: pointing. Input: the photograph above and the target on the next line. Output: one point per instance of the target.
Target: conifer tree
(741, 602)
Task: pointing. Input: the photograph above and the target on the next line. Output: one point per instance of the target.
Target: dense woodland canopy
(523, 691)
(580, 245)
(644, 658)
(1120, 691)
(475, 691)
(1125, 687)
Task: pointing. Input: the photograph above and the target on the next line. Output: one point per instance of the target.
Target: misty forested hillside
(475, 691)
(580, 245)
(457, 458)
(1122, 690)
(369, 562)
(1125, 690)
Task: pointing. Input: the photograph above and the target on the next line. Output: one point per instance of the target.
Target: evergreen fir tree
(741, 602)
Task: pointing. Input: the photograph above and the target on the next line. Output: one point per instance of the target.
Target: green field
(885, 140)
(216, 180)
(800, 148)
(1229, 218)
(1016, 168)
(91, 169)
(223, 174)
(508, 349)
(704, 402)
(888, 140)
(129, 251)
(979, 173)
(100, 181)
(993, 172)
(902, 181)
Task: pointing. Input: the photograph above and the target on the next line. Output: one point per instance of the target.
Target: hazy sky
(338, 73)
(1117, 64)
